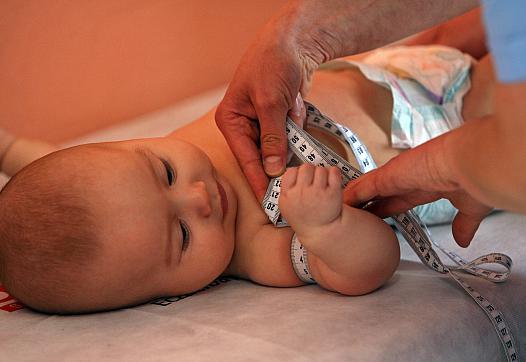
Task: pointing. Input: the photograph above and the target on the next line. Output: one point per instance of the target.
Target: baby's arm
(350, 250)
(16, 153)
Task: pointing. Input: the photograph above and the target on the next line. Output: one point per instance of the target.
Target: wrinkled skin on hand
(268, 84)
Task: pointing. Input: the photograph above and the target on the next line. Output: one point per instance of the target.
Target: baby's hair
(47, 235)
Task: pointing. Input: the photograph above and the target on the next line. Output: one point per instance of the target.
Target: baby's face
(167, 216)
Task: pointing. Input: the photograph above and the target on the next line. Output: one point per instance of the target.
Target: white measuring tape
(310, 150)
(300, 263)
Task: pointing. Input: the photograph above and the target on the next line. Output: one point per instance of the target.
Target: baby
(104, 226)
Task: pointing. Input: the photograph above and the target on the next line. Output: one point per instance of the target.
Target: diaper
(438, 212)
(427, 84)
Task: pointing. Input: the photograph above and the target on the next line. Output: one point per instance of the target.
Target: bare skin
(351, 99)
(479, 103)
(306, 34)
(165, 229)
(257, 252)
(281, 61)
(251, 248)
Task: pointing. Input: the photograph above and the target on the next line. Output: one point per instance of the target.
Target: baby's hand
(311, 197)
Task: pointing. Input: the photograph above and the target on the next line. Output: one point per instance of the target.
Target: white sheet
(418, 315)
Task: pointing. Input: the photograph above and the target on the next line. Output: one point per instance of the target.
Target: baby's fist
(311, 197)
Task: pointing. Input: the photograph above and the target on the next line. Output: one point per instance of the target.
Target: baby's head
(104, 226)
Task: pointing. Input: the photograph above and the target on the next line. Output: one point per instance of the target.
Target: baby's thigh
(347, 97)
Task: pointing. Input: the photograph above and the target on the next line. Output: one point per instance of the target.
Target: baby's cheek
(216, 251)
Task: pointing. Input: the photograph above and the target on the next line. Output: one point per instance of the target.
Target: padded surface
(418, 315)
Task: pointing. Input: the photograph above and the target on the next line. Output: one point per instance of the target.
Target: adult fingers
(464, 228)
(421, 169)
(360, 190)
(470, 214)
(241, 136)
(381, 182)
(393, 205)
(273, 140)
(388, 207)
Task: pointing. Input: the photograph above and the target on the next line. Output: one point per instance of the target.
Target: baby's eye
(170, 174)
(186, 235)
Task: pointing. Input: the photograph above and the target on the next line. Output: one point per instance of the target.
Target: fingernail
(465, 243)
(273, 165)
(298, 105)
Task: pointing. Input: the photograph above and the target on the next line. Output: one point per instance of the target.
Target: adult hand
(280, 63)
(267, 86)
(418, 176)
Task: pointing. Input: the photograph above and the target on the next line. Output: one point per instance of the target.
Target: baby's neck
(232, 269)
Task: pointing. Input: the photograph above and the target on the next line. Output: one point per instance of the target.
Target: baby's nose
(199, 199)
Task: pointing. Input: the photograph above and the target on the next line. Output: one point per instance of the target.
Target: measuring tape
(309, 150)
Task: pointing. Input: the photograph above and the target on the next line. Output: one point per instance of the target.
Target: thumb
(464, 227)
(273, 138)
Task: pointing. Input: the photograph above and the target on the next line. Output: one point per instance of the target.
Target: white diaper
(427, 84)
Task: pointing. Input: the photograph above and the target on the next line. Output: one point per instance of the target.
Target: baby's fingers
(288, 180)
(306, 174)
(335, 177)
(321, 176)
